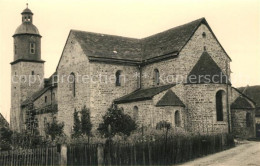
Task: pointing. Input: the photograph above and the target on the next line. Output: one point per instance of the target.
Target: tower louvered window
(32, 48)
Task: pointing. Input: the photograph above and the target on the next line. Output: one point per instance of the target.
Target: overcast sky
(236, 23)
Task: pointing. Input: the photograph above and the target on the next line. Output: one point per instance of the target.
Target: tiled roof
(51, 81)
(36, 95)
(170, 99)
(206, 71)
(3, 121)
(241, 103)
(108, 46)
(170, 41)
(142, 94)
(253, 92)
(165, 44)
(48, 84)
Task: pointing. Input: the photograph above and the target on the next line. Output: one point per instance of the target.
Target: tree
(31, 120)
(77, 125)
(119, 122)
(5, 138)
(54, 129)
(86, 125)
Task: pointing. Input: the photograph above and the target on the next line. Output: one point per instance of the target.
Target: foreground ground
(244, 154)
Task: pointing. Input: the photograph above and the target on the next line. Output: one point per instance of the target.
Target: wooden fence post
(63, 155)
(100, 154)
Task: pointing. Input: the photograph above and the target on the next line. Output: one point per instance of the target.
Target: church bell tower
(27, 68)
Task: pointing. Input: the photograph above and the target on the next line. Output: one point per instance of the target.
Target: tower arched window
(72, 84)
(156, 77)
(135, 113)
(118, 78)
(219, 105)
(177, 119)
(248, 120)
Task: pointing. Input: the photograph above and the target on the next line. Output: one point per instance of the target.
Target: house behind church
(180, 75)
(3, 122)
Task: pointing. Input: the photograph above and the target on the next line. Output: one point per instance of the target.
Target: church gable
(72, 53)
(170, 99)
(206, 71)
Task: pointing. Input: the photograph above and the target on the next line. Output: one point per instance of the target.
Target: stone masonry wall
(239, 124)
(180, 67)
(21, 88)
(201, 108)
(73, 60)
(95, 94)
(51, 99)
(150, 115)
(104, 93)
(239, 127)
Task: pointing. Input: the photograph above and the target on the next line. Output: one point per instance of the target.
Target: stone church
(180, 75)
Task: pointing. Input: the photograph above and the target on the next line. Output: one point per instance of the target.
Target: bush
(54, 129)
(119, 122)
(5, 138)
(163, 125)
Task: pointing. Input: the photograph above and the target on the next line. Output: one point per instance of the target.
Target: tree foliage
(54, 129)
(5, 138)
(163, 125)
(119, 122)
(76, 125)
(86, 124)
(31, 122)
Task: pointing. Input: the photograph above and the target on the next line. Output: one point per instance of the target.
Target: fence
(168, 152)
(164, 152)
(82, 154)
(38, 156)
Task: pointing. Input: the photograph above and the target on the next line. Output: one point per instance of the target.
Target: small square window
(32, 72)
(203, 34)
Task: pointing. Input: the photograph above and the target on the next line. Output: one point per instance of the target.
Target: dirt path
(242, 155)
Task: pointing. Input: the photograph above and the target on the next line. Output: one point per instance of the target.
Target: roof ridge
(179, 26)
(104, 34)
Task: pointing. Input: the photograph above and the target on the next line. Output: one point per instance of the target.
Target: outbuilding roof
(241, 103)
(170, 99)
(142, 94)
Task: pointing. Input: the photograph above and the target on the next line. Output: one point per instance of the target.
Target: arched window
(156, 77)
(219, 105)
(118, 78)
(53, 96)
(46, 99)
(135, 113)
(72, 84)
(248, 120)
(177, 119)
(45, 122)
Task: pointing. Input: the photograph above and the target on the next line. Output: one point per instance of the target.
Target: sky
(236, 23)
